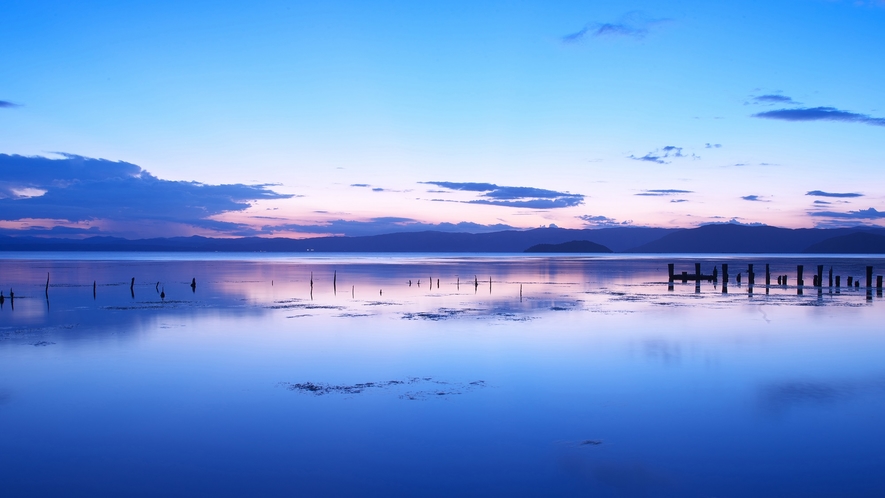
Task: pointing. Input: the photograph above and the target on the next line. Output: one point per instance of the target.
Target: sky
(309, 118)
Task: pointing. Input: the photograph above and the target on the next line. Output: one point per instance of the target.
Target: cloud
(822, 202)
(754, 198)
(771, 99)
(663, 192)
(734, 221)
(632, 25)
(603, 221)
(4, 104)
(821, 193)
(712, 146)
(677, 201)
(521, 197)
(382, 225)
(80, 189)
(820, 114)
(863, 214)
(360, 185)
(659, 155)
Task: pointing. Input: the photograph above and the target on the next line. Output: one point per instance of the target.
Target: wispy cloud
(381, 225)
(863, 214)
(521, 197)
(821, 193)
(772, 99)
(663, 192)
(661, 155)
(597, 221)
(631, 25)
(820, 114)
(5, 104)
(80, 189)
(753, 198)
(712, 146)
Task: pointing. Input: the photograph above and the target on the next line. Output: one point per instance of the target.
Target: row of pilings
(833, 282)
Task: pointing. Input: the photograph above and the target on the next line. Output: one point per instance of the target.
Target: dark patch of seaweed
(436, 388)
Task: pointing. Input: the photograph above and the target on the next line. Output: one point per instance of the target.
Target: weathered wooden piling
(799, 271)
(850, 281)
(715, 274)
(93, 289)
(47, 285)
(335, 282)
(194, 284)
(670, 269)
(751, 276)
(767, 274)
(697, 272)
(738, 278)
(724, 273)
(879, 282)
(820, 275)
(838, 281)
(132, 287)
(831, 277)
(869, 277)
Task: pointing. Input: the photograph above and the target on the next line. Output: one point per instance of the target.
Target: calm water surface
(514, 376)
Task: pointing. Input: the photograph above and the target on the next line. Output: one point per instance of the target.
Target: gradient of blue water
(690, 394)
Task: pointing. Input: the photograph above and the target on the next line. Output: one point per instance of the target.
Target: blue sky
(355, 117)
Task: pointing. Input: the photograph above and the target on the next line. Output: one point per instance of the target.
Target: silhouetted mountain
(574, 246)
(706, 239)
(854, 243)
(619, 238)
(741, 239)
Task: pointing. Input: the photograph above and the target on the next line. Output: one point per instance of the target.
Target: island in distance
(573, 246)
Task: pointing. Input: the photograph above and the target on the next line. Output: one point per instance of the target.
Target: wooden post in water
(93, 289)
(751, 277)
(335, 283)
(715, 275)
(831, 276)
(850, 281)
(47, 285)
(799, 271)
(838, 281)
(767, 274)
(132, 287)
(670, 271)
(697, 272)
(869, 277)
(724, 273)
(879, 286)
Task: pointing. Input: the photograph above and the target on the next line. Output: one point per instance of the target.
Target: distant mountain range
(724, 238)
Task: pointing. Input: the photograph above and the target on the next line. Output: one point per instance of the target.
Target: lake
(437, 375)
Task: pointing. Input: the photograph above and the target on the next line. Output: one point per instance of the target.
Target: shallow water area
(437, 375)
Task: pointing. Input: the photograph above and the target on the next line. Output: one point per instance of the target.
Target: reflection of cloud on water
(779, 397)
(667, 352)
(625, 478)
